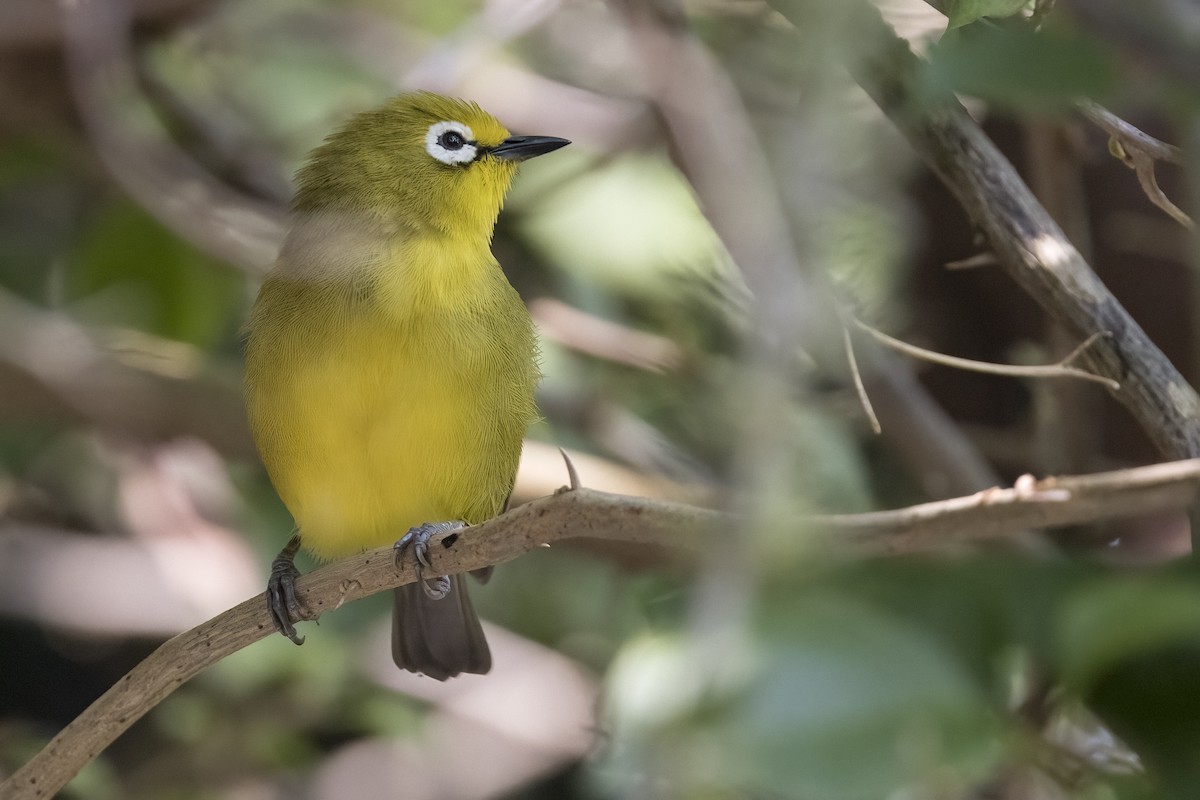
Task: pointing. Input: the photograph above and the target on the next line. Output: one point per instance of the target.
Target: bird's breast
(393, 402)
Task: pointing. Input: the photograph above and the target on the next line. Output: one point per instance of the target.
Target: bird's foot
(282, 601)
(418, 538)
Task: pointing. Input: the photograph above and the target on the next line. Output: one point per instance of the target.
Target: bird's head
(420, 162)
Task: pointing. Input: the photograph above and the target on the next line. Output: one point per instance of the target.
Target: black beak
(519, 148)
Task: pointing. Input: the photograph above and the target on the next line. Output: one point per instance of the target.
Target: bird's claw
(418, 538)
(437, 588)
(282, 601)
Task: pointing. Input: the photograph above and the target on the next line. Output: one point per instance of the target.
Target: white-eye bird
(390, 365)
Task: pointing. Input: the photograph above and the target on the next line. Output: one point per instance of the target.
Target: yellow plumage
(376, 412)
(390, 366)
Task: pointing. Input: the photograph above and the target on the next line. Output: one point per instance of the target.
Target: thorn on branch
(572, 475)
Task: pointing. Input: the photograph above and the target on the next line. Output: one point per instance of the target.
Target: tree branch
(581, 513)
(1139, 151)
(588, 514)
(52, 367)
(1028, 243)
(717, 148)
(1047, 503)
(1130, 136)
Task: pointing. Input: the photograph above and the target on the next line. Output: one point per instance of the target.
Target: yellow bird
(390, 366)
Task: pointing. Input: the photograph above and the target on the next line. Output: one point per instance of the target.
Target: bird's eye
(452, 140)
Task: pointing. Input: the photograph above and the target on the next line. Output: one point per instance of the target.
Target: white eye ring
(451, 143)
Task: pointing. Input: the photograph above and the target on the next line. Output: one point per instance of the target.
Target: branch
(588, 514)
(984, 259)
(715, 143)
(51, 367)
(1129, 136)
(1139, 151)
(1028, 243)
(581, 513)
(1047, 503)
(860, 388)
(595, 336)
(1062, 369)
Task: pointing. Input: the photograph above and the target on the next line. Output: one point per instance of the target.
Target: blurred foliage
(131, 271)
(964, 12)
(823, 677)
(632, 229)
(1009, 67)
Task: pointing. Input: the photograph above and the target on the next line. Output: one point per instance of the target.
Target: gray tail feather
(440, 638)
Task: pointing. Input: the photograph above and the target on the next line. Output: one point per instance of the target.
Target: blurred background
(731, 197)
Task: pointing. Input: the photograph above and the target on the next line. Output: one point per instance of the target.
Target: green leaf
(854, 703)
(1151, 701)
(1020, 69)
(1096, 633)
(964, 12)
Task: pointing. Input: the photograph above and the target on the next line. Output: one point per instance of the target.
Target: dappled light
(865, 455)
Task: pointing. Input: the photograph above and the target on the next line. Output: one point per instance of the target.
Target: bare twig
(1139, 151)
(720, 153)
(985, 259)
(583, 513)
(859, 388)
(1131, 137)
(1062, 369)
(1030, 503)
(595, 336)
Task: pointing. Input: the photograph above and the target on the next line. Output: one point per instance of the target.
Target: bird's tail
(440, 638)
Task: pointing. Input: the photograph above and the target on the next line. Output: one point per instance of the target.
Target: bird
(390, 366)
